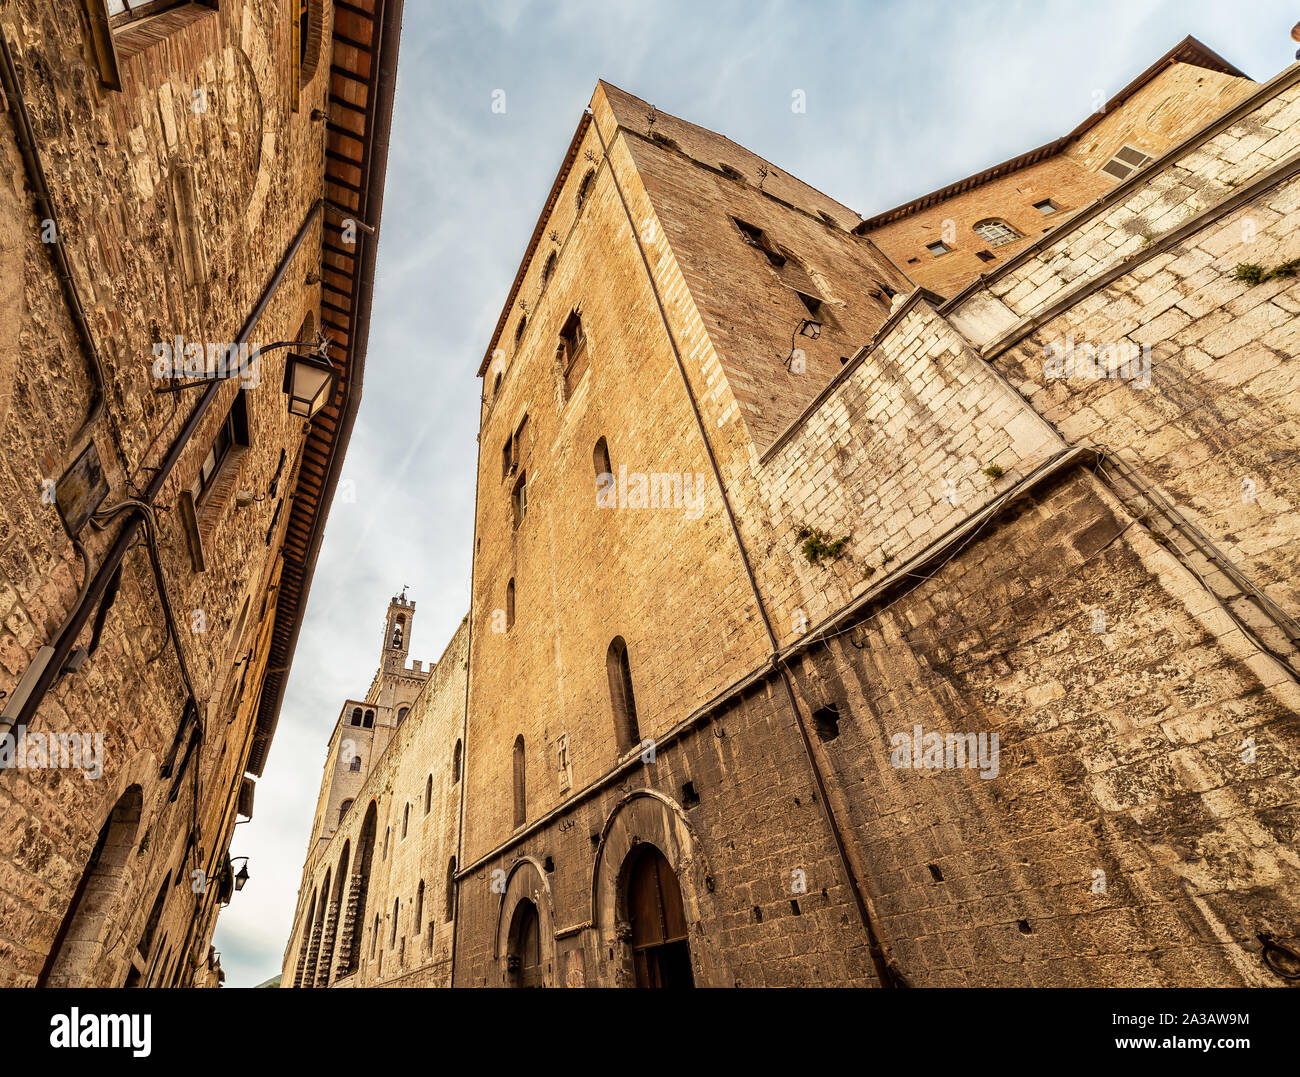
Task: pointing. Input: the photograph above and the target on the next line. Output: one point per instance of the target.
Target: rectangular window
(761, 241)
(572, 353)
(1127, 161)
(232, 434)
(519, 498)
(1046, 206)
(937, 248)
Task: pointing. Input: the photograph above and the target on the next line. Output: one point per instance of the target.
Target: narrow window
(760, 241)
(1127, 161)
(519, 330)
(1046, 206)
(510, 605)
(496, 387)
(374, 937)
(402, 712)
(455, 764)
(451, 890)
(392, 939)
(406, 820)
(419, 905)
(388, 833)
(231, 436)
(519, 498)
(507, 458)
(356, 716)
(572, 353)
(343, 809)
(938, 248)
(548, 271)
(600, 458)
(995, 232)
(428, 796)
(620, 695)
(521, 810)
(355, 764)
(584, 188)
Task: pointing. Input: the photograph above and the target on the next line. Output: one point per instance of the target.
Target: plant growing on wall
(818, 546)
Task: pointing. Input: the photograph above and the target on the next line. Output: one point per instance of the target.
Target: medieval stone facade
(183, 186)
(836, 622)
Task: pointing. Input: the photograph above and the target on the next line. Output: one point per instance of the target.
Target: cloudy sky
(901, 98)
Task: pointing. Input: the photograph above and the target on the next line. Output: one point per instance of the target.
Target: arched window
(343, 809)
(369, 720)
(451, 890)
(406, 820)
(548, 271)
(521, 808)
(571, 353)
(510, 605)
(428, 793)
(455, 764)
(402, 713)
(310, 35)
(584, 188)
(78, 942)
(995, 232)
(621, 698)
(355, 764)
(356, 715)
(519, 329)
(496, 386)
(600, 459)
(399, 630)
(604, 475)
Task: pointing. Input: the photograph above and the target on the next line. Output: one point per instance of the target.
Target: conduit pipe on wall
(887, 969)
(66, 639)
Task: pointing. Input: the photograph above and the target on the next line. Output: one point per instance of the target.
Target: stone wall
(176, 197)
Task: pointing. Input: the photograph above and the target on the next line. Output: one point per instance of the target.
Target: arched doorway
(524, 956)
(661, 952)
(78, 943)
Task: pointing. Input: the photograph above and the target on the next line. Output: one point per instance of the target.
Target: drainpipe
(887, 970)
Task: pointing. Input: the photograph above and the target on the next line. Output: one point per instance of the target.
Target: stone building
(373, 908)
(190, 186)
(839, 618)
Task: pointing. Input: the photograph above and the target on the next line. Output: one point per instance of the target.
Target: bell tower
(397, 632)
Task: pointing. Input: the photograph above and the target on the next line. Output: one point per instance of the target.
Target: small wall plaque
(81, 490)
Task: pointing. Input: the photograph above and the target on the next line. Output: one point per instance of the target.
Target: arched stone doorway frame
(528, 881)
(648, 816)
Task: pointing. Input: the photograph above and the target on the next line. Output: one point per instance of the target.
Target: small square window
(985, 256)
(1127, 161)
(1046, 206)
(937, 248)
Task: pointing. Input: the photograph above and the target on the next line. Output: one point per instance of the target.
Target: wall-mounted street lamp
(309, 383)
(241, 876)
(308, 377)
